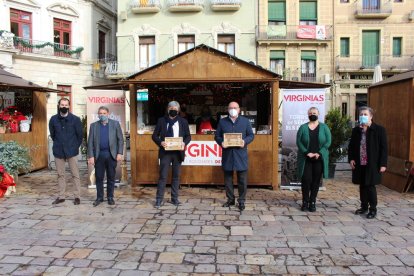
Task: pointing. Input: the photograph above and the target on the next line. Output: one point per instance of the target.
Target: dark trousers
(367, 192)
(105, 163)
(169, 158)
(311, 180)
(241, 185)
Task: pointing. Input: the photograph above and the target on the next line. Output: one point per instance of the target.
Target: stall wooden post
(275, 136)
(133, 130)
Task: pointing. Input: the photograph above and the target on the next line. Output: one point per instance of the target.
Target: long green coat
(302, 141)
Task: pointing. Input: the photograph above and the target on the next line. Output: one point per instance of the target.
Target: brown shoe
(76, 201)
(58, 200)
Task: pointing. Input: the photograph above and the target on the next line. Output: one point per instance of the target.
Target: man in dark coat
(235, 158)
(66, 132)
(105, 149)
(367, 155)
(171, 125)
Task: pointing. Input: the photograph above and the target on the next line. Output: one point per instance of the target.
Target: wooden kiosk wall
(204, 64)
(36, 139)
(393, 103)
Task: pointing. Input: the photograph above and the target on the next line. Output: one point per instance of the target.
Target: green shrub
(15, 157)
(340, 126)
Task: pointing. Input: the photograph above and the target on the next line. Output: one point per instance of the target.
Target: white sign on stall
(202, 153)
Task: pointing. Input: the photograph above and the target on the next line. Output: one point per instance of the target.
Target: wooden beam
(275, 135)
(133, 131)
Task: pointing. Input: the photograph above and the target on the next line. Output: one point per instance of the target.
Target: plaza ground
(272, 236)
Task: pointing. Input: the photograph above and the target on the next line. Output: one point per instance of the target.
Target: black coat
(376, 153)
(66, 133)
(161, 130)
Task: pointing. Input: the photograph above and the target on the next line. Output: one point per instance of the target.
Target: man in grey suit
(105, 149)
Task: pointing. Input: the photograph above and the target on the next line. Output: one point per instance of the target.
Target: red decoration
(6, 180)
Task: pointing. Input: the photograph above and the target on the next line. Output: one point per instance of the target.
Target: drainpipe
(333, 86)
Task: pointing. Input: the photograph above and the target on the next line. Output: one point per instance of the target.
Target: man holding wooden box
(233, 134)
(171, 134)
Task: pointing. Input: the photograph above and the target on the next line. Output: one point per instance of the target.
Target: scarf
(170, 122)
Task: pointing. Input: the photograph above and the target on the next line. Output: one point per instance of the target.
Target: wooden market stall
(215, 77)
(393, 103)
(28, 98)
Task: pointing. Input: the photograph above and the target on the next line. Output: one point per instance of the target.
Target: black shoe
(76, 201)
(304, 206)
(158, 204)
(111, 201)
(229, 203)
(97, 202)
(58, 200)
(312, 206)
(175, 202)
(241, 206)
(371, 214)
(361, 211)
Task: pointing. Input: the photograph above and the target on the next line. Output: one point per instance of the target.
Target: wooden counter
(260, 162)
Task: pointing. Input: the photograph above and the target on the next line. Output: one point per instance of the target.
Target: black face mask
(172, 113)
(63, 110)
(313, 118)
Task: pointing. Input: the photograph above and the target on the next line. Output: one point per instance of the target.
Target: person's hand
(91, 161)
(352, 163)
(118, 157)
(316, 155)
(183, 146)
(310, 155)
(223, 145)
(242, 145)
(383, 169)
(163, 144)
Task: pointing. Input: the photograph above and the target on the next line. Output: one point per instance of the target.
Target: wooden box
(233, 140)
(174, 143)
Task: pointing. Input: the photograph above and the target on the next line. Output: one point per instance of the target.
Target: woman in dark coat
(367, 155)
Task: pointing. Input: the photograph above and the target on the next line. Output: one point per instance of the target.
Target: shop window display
(16, 110)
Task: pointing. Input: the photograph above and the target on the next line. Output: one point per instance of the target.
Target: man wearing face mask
(235, 158)
(66, 132)
(367, 155)
(313, 140)
(105, 149)
(205, 122)
(171, 125)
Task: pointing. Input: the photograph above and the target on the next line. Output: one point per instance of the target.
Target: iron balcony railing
(124, 68)
(296, 75)
(225, 2)
(144, 4)
(387, 62)
(46, 48)
(294, 32)
(372, 7)
(173, 3)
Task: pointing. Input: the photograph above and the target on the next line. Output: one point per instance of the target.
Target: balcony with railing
(145, 6)
(289, 74)
(225, 5)
(36, 47)
(117, 69)
(185, 5)
(297, 34)
(373, 9)
(368, 62)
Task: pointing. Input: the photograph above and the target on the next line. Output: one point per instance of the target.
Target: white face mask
(233, 112)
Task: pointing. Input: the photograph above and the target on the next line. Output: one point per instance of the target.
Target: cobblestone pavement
(272, 236)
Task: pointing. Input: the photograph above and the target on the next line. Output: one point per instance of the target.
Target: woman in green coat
(313, 140)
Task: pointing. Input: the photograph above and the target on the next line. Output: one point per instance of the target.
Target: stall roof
(395, 78)
(9, 80)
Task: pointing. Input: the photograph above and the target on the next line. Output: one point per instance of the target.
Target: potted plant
(340, 126)
(15, 158)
